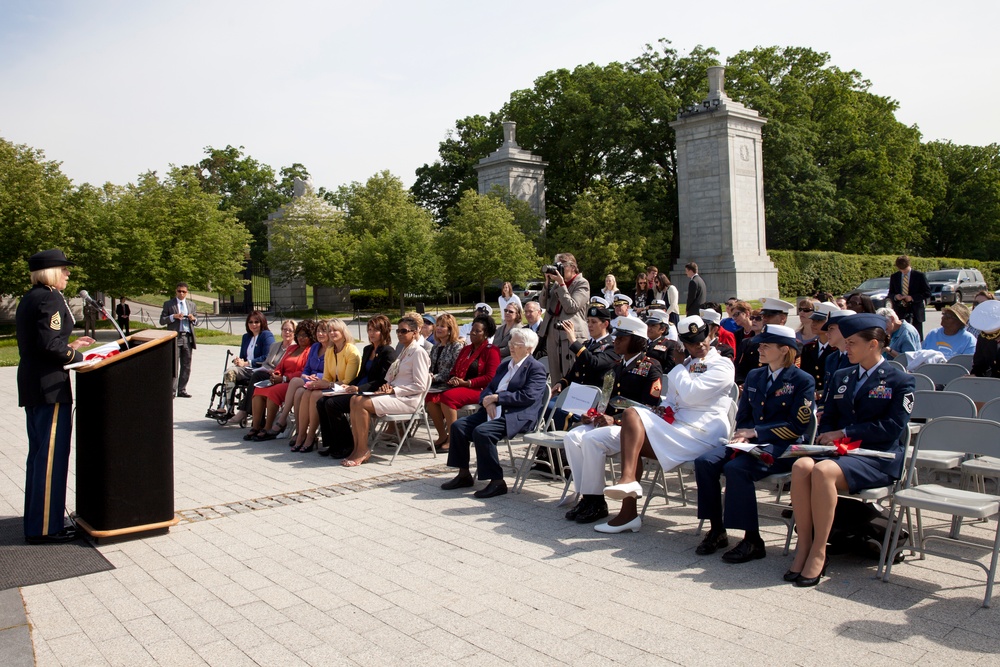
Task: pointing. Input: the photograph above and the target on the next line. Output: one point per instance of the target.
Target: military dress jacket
(780, 414)
(44, 324)
(876, 416)
(813, 361)
(636, 379)
(593, 360)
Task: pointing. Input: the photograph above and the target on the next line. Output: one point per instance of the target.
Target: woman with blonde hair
(806, 332)
(341, 365)
(610, 288)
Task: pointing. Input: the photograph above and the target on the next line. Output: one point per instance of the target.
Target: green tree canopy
(309, 242)
(482, 243)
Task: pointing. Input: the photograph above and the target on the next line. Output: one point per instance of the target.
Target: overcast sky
(112, 89)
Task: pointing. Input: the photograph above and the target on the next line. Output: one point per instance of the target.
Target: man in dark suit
(180, 315)
(697, 292)
(908, 293)
(511, 404)
(533, 320)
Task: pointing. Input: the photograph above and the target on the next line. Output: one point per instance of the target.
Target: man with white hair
(903, 336)
(511, 404)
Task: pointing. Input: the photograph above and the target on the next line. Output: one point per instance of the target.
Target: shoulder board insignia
(55, 323)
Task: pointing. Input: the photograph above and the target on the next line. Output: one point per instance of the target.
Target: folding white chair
(962, 435)
(980, 390)
(964, 360)
(942, 374)
(552, 440)
(406, 427)
(923, 383)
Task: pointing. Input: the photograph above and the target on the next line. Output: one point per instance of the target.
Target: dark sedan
(876, 288)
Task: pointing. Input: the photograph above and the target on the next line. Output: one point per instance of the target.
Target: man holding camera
(564, 298)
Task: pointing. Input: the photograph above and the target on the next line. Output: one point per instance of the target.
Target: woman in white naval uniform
(695, 406)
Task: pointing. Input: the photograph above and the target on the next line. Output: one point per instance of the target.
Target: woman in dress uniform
(44, 323)
(775, 408)
(695, 419)
(869, 402)
(637, 376)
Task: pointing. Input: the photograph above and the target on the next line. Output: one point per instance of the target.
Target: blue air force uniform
(874, 413)
(44, 323)
(780, 415)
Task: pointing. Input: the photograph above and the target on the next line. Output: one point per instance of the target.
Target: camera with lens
(553, 269)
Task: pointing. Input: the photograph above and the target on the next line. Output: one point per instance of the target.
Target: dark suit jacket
(376, 375)
(172, 308)
(43, 328)
(522, 400)
(697, 295)
(780, 414)
(918, 289)
(877, 416)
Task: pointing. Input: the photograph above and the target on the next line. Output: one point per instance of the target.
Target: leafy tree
(482, 243)
(524, 217)
(395, 237)
(309, 242)
(34, 196)
(605, 231)
(246, 188)
(966, 215)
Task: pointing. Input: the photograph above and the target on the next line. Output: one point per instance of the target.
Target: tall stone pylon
(516, 170)
(720, 190)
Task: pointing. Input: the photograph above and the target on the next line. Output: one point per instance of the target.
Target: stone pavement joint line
(308, 495)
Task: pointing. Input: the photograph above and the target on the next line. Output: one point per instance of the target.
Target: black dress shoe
(713, 541)
(461, 481)
(183, 394)
(579, 507)
(323, 451)
(597, 510)
(496, 487)
(744, 552)
(791, 576)
(64, 535)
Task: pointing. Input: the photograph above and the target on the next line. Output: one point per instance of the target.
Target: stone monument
(516, 170)
(720, 192)
(292, 295)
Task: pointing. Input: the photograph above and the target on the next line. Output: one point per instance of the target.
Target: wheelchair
(223, 404)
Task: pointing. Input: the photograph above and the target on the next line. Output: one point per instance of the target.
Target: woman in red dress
(267, 400)
(473, 370)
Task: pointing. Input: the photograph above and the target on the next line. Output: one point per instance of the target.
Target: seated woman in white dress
(693, 418)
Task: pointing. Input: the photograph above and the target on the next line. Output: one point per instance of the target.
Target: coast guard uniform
(780, 414)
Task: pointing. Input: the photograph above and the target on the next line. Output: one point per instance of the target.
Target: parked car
(876, 288)
(530, 291)
(950, 286)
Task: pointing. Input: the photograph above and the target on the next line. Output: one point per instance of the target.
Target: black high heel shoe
(806, 582)
(791, 576)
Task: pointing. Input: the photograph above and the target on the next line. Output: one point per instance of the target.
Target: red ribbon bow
(594, 414)
(845, 445)
(668, 414)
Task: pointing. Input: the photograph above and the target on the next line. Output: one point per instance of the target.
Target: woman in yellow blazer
(341, 366)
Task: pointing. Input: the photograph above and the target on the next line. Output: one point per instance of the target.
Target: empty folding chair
(942, 374)
(977, 436)
(550, 439)
(964, 360)
(980, 390)
(923, 383)
(928, 405)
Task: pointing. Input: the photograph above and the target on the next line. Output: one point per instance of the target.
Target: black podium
(125, 439)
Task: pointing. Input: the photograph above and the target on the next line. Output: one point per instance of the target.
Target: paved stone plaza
(284, 559)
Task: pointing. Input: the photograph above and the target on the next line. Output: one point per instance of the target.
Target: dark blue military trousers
(50, 428)
(741, 496)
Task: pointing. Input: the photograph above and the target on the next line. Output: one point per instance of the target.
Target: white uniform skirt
(677, 443)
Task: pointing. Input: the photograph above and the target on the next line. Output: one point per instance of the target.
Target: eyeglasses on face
(182, 291)
(510, 312)
(805, 310)
(402, 332)
(756, 318)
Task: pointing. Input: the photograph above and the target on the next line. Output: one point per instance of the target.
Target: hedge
(807, 272)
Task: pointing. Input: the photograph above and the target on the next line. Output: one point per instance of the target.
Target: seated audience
(510, 405)
(951, 338)
(874, 408)
(312, 371)
(695, 418)
(378, 355)
(406, 380)
(341, 366)
(774, 411)
(512, 315)
(636, 377)
(254, 348)
(267, 400)
(664, 345)
(815, 353)
(860, 303)
(481, 310)
(903, 336)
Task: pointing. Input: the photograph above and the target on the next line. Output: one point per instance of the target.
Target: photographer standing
(564, 298)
